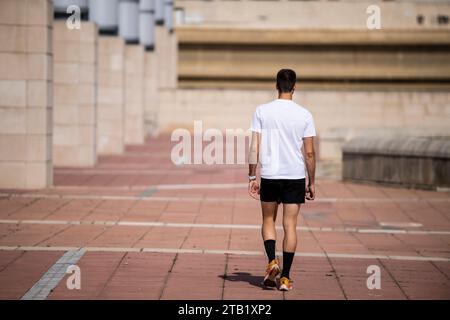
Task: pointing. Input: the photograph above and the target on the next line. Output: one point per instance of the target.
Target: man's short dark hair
(286, 79)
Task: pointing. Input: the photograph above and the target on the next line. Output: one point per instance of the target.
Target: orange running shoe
(272, 271)
(285, 284)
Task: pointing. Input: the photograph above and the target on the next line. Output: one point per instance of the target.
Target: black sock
(270, 249)
(288, 257)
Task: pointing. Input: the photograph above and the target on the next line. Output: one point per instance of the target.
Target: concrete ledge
(414, 59)
(302, 36)
(422, 162)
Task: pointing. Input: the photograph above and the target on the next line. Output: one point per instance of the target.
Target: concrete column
(75, 87)
(147, 24)
(110, 95)
(129, 20)
(161, 43)
(105, 14)
(60, 6)
(151, 93)
(172, 46)
(172, 52)
(134, 94)
(166, 47)
(168, 15)
(159, 12)
(26, 94)
(147, 39)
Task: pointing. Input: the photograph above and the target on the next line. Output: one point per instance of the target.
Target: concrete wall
(110, 95)
(75, 90)
(339, 115)
(26, 93)
(311, 14)
(134, 94)
(240, 57)
(409, 161)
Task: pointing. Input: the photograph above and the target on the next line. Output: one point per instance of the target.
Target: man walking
(279, 130)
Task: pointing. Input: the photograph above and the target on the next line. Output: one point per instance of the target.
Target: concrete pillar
(134, 94)
(172, 52)
(160, 42)
(129, 20)
(105, 14)
(172, 45)
(159, 12)
(147, 39)
(110, 95)
(147, 24)
(26, 94)
(165, 56)
(166, 47)
(168, 15)
(60, 6)
(151, 93)
(75, 87)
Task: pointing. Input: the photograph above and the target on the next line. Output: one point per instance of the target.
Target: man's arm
(310, 160)
(253, 156)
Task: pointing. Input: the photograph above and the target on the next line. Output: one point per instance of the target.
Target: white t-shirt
(283, 124)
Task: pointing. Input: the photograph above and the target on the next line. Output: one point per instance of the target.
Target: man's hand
(310, 160)
(253, 189)
(310, 192)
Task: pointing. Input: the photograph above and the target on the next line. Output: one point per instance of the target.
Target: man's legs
(290, 214)
(269, 234)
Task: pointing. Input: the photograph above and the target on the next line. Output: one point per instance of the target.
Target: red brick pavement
(91, 207)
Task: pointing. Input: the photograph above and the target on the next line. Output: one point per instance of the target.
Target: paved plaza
(140, 227)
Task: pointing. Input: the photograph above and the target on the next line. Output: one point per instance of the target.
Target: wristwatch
(251, 178)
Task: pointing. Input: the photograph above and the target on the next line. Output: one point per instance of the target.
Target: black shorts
(282, 190)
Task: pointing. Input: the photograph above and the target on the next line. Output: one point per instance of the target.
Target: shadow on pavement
(246, 277)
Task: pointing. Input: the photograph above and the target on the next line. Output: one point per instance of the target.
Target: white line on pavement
(108, 171)
(220, 226)
(209, 199)
(401, 224)
(238, 252)
(42, 288)
(161, 187)
(201, 186)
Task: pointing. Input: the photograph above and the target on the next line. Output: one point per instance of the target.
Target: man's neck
(285, 95)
